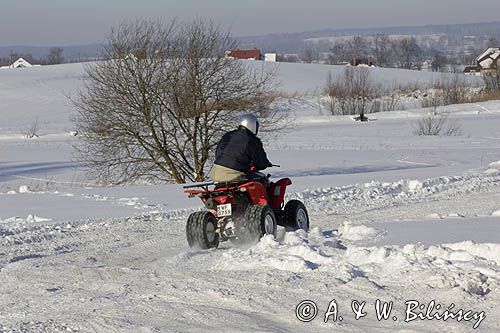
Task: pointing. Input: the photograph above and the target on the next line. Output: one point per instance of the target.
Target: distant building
(270, 57)
(253, 54)
(362, 61)
(486, 63)
(20, 63)
(427, 65)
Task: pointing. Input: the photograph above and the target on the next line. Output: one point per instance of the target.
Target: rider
(238, 151)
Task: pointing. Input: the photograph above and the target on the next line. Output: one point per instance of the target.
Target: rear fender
(256, 192)
(277, 192)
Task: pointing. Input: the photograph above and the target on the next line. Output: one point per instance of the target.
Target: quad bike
(242, 211)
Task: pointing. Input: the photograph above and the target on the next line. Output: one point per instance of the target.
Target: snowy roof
(20, 63)
(488, 57)
(488, 52)
(486, 63)
(244, 54)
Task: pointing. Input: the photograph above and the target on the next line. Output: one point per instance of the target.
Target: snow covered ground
(395, 218)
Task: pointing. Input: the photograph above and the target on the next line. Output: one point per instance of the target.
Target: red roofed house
(253, 54)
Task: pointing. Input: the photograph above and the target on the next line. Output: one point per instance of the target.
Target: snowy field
(394, 217)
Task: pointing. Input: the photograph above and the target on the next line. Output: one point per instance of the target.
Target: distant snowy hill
(41, 93)
(295, 42)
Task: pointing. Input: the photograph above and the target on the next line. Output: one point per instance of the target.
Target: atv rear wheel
(295, 215)
(258, 220)
(201, 230)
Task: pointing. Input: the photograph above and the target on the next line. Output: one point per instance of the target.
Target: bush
(437, 124)
(448, 90)
(351, 93)
(32, 131)
(488, 95)
(492, 80)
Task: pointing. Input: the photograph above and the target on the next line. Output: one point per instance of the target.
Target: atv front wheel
(258, 220)
(295, 215)
(201, 230)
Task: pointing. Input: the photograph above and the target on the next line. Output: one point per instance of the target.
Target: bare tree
(409, 51)
(357, 46)
(439, 62)
(492, 42)
(287, 57)
(381, 44)
(335, 101)
(307, 55)
(156, 108)
(470, 55)
(339, 53)
(55, 56)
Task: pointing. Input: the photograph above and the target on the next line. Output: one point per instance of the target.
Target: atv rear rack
(202, 185)
(219, 186)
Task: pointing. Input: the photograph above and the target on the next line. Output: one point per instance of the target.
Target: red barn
(253, 54)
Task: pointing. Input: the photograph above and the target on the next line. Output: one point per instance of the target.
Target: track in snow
(137, 274)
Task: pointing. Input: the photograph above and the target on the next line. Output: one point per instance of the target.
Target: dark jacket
(239, 149)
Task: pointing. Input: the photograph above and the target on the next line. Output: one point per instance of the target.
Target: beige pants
(220, 173)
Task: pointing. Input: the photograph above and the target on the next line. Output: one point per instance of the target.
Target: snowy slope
(395, 217)
(42, 92)
(312, 77)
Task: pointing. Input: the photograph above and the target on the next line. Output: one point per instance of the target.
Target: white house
(487, 62)
(270, 57)
(20, 63)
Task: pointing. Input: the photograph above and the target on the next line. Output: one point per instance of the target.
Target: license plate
(224, 210)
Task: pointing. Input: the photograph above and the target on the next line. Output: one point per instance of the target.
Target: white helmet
(250, 122)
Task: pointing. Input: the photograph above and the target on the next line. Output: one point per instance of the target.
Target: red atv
(242, 211)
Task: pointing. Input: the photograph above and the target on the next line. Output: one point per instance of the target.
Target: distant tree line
(451, 38)
(55, 56)
(387, 51)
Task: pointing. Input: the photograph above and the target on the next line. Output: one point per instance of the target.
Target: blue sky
(65, 22)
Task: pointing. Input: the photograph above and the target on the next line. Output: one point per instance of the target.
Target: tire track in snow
(357, 198)
(149, 255)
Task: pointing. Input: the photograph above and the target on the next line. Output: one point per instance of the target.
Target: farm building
(487, 62)
(253, 54)
(20, 63)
